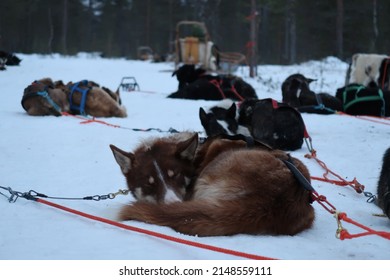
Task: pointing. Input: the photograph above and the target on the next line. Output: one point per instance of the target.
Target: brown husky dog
(41, 98)
(45, 97)
(86, 97)
(235, 189)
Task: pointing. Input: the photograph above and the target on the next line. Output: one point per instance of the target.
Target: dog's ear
(232, 111)
(199, 72)
(309, 80)
(202, 116)
(187, 148)
(124, 159)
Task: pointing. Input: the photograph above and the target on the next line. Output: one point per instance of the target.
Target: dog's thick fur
(100, 103)
(383, 189)
(365, 69)
(236, 190)
(40, 106)
(281, 127)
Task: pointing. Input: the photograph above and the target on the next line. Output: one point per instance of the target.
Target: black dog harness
(251, 142)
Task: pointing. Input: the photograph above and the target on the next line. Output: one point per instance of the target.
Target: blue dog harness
(46, 95)
(84, 91)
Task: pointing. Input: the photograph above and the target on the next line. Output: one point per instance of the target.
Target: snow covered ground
(59, 156)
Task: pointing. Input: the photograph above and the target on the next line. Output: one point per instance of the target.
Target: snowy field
(60, 156)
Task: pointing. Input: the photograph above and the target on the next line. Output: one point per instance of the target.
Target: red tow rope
(344, 234)
(359, 188)
(232, 88)
(375, 119)
(341, 232)
(87, 120)
(155, 234)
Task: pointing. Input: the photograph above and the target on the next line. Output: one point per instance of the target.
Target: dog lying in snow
(296, 92)
(220, 187)
(45, 97)
(272, 123)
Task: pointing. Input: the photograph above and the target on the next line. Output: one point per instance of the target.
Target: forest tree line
(287, 31)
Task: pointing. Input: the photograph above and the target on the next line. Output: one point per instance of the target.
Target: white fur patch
(221, 190)
(187, 180)
(203, 191)
(170, 173)
(170, 195)
(298, 93)
(361, 63)
(138, 193)
(243, 130)
(225, 127)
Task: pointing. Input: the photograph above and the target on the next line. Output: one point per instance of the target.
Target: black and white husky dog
(222, 119)
(274, 124)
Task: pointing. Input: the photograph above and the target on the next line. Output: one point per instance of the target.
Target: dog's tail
(202, 218)
(218, 218)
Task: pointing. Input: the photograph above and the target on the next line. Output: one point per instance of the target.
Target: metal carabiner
(371, 197)
(14, 195)
(122, 192)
